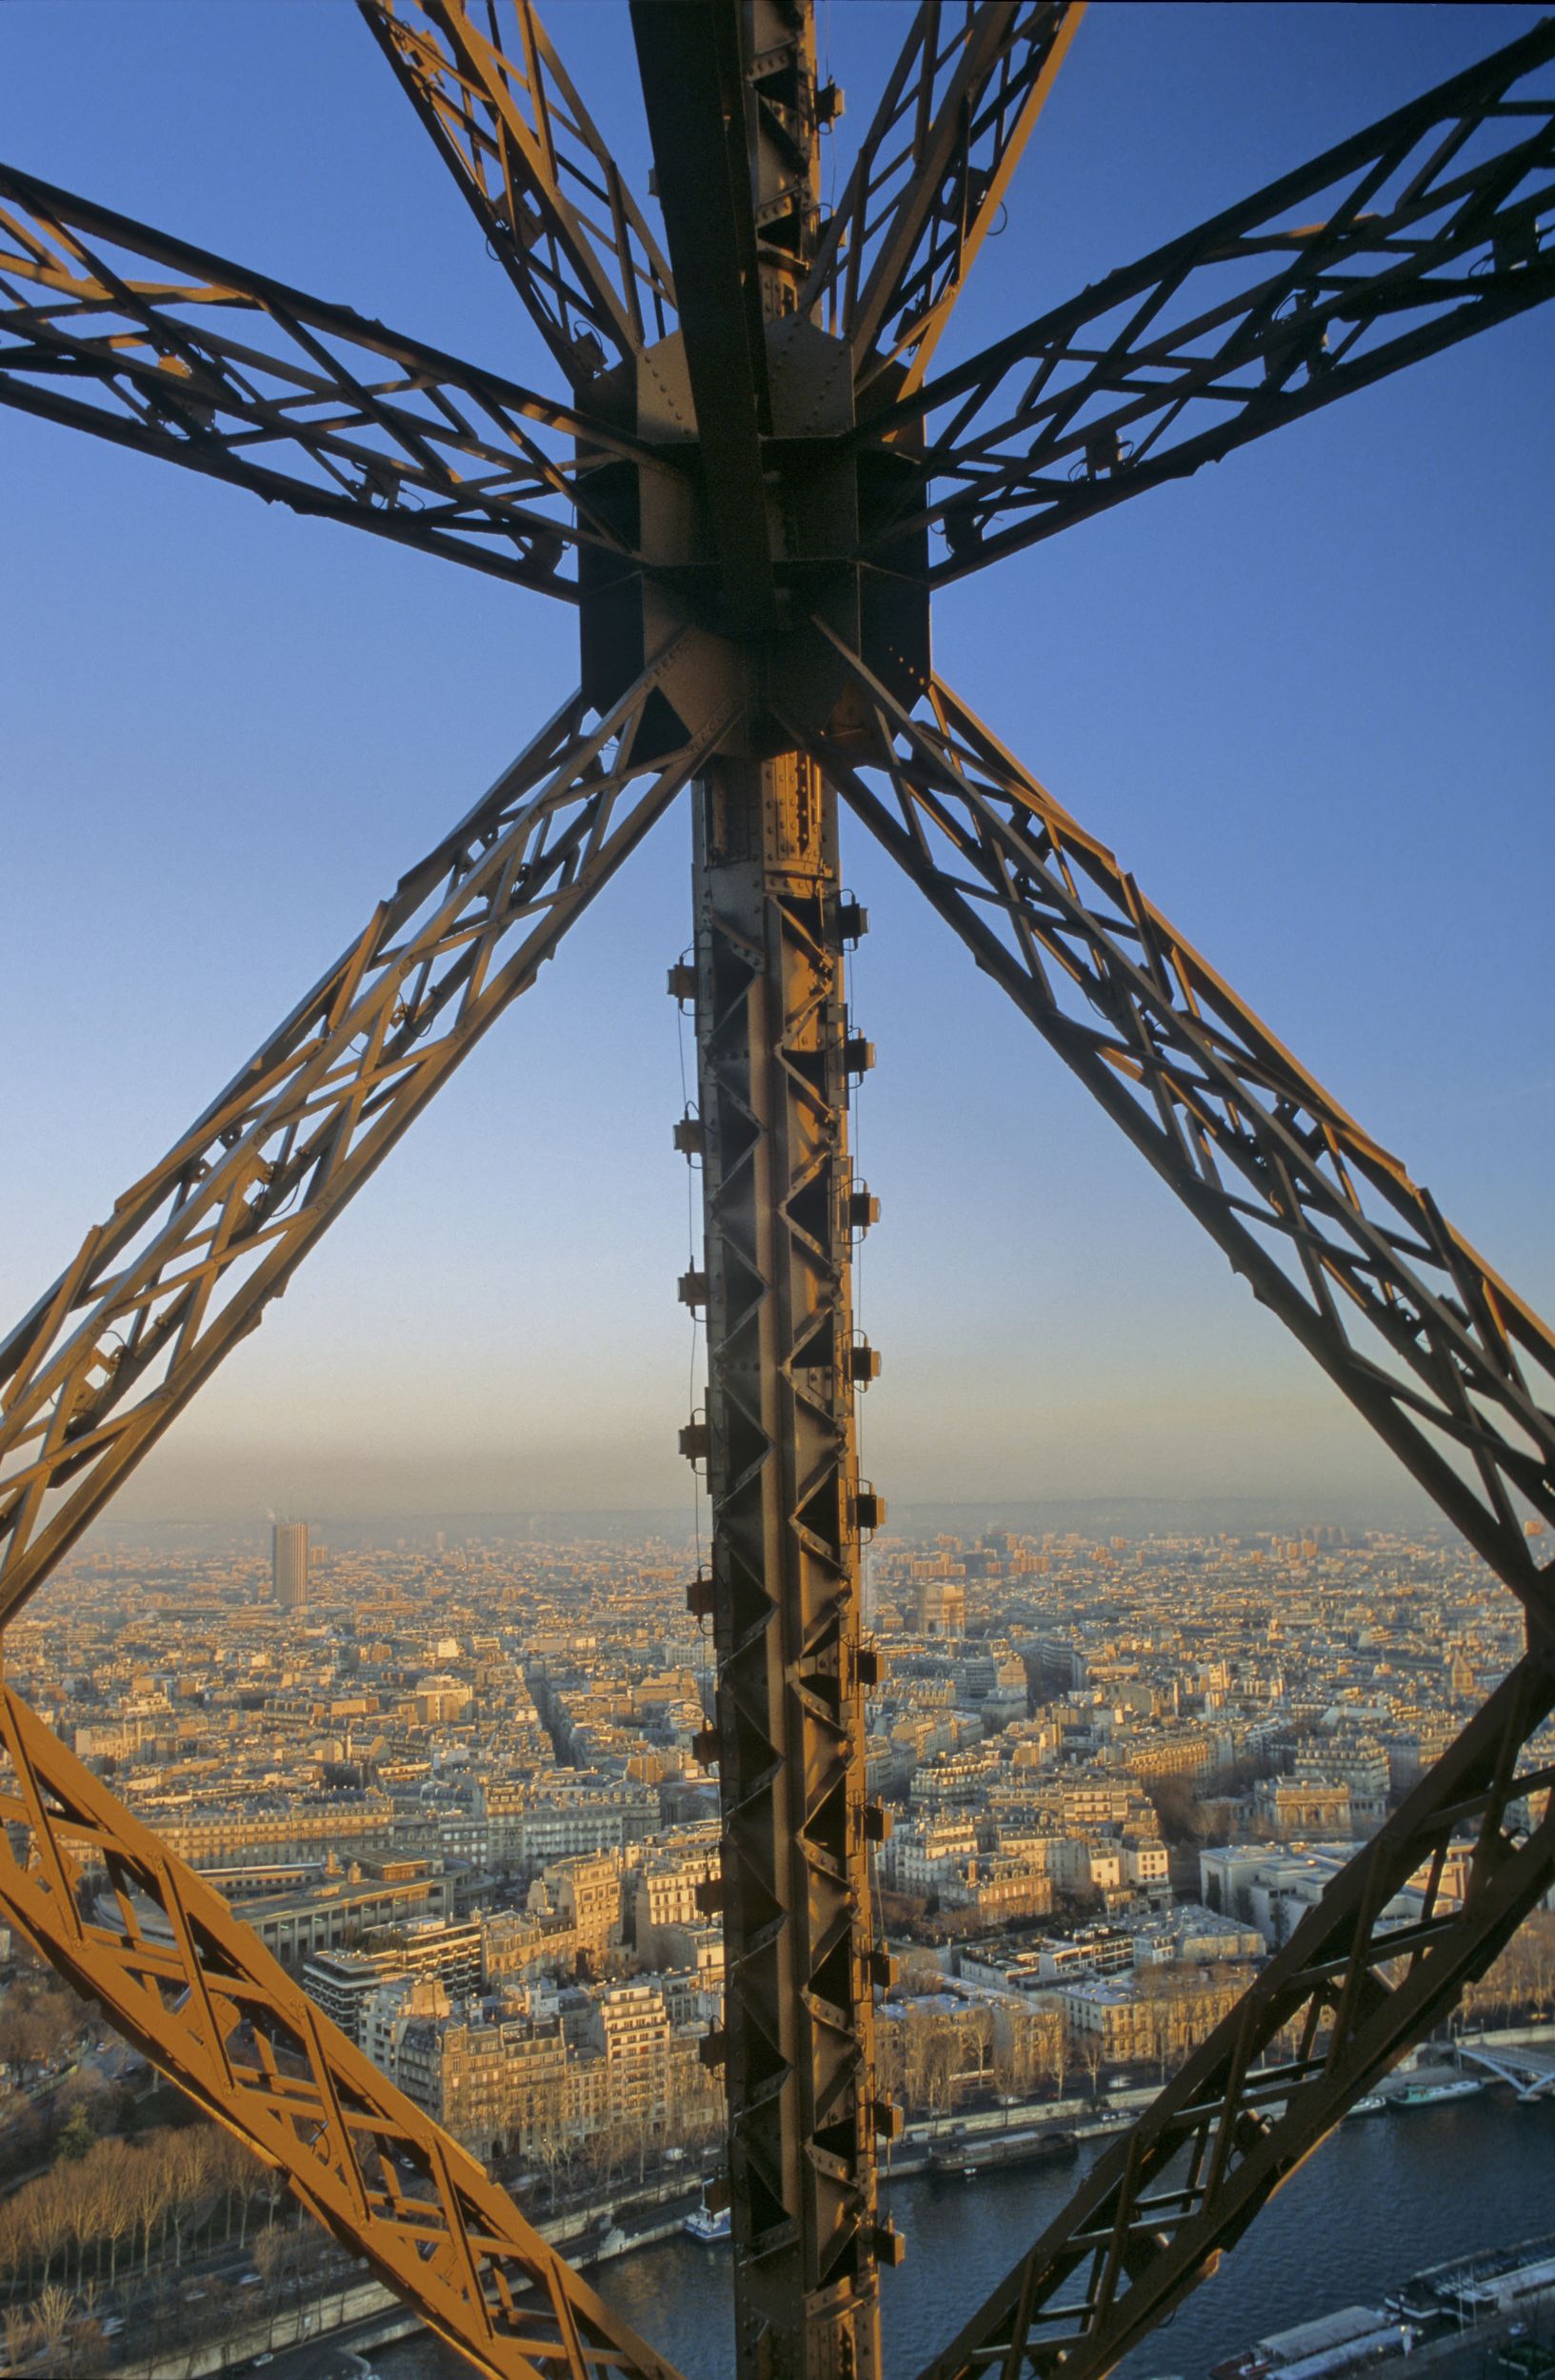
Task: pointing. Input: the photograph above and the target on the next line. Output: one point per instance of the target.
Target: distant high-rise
(289, 1564)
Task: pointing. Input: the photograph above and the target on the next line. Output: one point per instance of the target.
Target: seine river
(1384, 2196)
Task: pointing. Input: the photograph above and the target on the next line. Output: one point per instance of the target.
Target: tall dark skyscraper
(289, 1564)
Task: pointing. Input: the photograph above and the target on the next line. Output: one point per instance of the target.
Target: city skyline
(270, 727)
(463, 1800)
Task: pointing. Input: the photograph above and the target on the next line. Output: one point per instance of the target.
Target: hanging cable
(704, 1625)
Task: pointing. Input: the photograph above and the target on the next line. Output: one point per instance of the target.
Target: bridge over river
(1523, 2055)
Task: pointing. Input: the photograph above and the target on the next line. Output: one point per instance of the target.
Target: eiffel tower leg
(773, 1062)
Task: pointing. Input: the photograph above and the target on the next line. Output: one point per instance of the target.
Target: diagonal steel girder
(538, 175)
(1366, 1974)
(194, 1252)
(1451, 1367)
(931, 178)
(1448, 1363)
(177, 1974)
(111, 326)
(1426, 227)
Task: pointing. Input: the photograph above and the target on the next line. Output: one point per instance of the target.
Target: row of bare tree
(929, 2056)
(573, 2162)
(58, 2334)
(1521, 1982)
(125, 2202)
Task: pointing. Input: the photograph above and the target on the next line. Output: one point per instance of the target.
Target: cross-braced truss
(1347, 1996)
(543, 185)
(193, 1253)
(109, 326)
(194, 1991)
(1442, 1358)
(1416, 232)
(749, 466)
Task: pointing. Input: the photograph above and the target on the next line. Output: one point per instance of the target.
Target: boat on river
(1435, 2095)
(707, 2223)
(1489, 2284)
(972, 2152)
(1322, 2349)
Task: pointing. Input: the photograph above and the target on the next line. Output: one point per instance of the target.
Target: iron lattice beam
(930, 180)
(160, 1952)
(1433, 218)
(539, 177)
(1392, 245)
(692, 68)
(731, 109)
(228, 373)
(774, 1057)
(1448, 1363)
(194, 1252)
(1360, 1981)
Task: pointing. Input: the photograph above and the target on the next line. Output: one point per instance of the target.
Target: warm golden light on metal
(750, 489)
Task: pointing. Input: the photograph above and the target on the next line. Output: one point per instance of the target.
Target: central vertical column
(779, 1203)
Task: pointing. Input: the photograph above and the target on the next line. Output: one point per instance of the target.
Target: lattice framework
(749, 464)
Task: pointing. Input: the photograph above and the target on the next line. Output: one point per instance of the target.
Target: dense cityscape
(462, 1788)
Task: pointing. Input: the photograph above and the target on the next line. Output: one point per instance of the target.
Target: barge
(980, 2152)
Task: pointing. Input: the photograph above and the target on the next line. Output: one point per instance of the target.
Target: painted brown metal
(692, 68)
(160, 1952)
(1446, 1361)
(549, 197)
(1331, 2012)
(754, 576)
(930, 180)
(1418, 232)
(731, 110)
(1442, 1358)
(193, 1254)
(772, 1043)
(227, 371)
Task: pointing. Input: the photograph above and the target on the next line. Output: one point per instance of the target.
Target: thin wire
(825, 68)
(690, 1266)
(856, 1174)
(857, 1238)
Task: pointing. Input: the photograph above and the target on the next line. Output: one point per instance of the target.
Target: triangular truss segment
(1426, 227)
(930, 180)
(133, 1927)
(1350, 1993)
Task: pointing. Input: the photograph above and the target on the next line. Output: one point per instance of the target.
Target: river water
(1382, 2197)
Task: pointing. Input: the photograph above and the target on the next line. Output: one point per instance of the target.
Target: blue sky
(1307, 697)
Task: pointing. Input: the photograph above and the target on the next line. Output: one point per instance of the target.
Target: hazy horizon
(1132, 1516)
